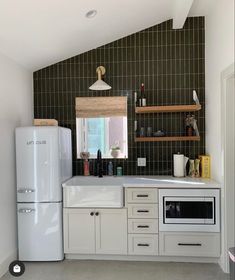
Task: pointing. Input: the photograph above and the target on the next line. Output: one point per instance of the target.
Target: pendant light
(100, 84)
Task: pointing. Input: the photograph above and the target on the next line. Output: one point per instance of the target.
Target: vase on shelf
(115, 153)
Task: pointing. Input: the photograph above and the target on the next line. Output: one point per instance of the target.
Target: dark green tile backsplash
(171, 63)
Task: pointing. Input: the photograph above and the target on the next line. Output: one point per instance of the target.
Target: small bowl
(159, 133)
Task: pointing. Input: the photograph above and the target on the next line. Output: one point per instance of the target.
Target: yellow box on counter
(45, 122)
(205, 166)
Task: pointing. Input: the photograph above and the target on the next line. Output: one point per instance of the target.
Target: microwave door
(182, 210)
(188, 210)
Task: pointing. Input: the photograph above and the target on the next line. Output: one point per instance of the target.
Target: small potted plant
(115, 150)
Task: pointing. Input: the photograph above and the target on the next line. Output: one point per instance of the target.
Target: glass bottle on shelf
(143, 98)
(135, 99)
(140, 100)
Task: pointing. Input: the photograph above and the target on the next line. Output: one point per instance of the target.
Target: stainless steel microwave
(189, 210)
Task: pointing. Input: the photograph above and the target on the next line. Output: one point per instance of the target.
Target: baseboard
(224, 265)
(4, 264)
(142, 258)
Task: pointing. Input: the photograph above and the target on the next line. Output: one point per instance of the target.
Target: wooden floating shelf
(168, 109)
(167, 138)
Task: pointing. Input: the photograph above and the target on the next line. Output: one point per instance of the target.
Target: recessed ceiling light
(91, 14)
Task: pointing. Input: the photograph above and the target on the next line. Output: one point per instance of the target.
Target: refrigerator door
(65, 148)
(38, 165)
(40, 231)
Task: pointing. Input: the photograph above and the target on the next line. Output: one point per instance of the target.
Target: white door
(37, 161)
(111, 231)
(40, 231)
(79, 231)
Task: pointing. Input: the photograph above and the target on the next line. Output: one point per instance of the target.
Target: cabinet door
(79, 231)
(111, 231)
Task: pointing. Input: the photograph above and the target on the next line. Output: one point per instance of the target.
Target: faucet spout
(99, 166)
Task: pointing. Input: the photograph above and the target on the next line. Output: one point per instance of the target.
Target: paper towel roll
(178, 165)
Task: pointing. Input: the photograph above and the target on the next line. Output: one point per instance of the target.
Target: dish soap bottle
(119, 171)
(110, 168)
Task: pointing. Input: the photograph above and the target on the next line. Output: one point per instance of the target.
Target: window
(105, 132)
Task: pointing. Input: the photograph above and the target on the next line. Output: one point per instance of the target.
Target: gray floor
(116, 270)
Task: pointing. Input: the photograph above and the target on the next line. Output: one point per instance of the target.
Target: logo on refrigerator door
(42, 142)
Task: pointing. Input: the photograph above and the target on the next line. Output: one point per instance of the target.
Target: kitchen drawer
(142, 195)
(143, 211)
(194, 244)
(143, 244)
(142, 226)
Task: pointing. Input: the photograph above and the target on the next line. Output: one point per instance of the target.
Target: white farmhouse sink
(93, 192)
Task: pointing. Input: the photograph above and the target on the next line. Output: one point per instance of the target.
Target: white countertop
(142, 181)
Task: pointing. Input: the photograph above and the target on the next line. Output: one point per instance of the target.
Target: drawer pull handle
(142, 226)
(143, 245)
(143, 211)
(26, 190)
(142, 195)
(190, 244)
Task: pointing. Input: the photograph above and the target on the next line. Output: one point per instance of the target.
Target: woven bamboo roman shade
(93, 107)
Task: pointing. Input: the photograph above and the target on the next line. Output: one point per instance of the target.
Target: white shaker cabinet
(142, 205)
(191, 244)
(95, 231)
(79, 231)
(111, 231)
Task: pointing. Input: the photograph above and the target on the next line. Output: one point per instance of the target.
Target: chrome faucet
(99, 167)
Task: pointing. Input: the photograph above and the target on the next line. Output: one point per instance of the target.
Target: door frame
(225, 192)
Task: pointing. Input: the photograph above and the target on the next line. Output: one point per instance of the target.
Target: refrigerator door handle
(26, 190)
(26, 210)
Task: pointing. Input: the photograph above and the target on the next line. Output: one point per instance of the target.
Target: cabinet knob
(97, 213)
(92, 213)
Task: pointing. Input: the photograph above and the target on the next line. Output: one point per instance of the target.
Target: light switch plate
(141, 161)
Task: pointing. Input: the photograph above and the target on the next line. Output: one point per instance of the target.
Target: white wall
(219, 56)
(16, 109)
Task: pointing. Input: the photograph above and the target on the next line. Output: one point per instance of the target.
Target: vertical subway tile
(170, 62)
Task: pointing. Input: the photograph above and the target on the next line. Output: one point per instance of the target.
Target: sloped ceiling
(37, 33)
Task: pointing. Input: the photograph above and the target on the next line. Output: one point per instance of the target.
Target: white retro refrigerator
(43, 162)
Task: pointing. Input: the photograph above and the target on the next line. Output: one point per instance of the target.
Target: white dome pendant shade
(100, 84)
